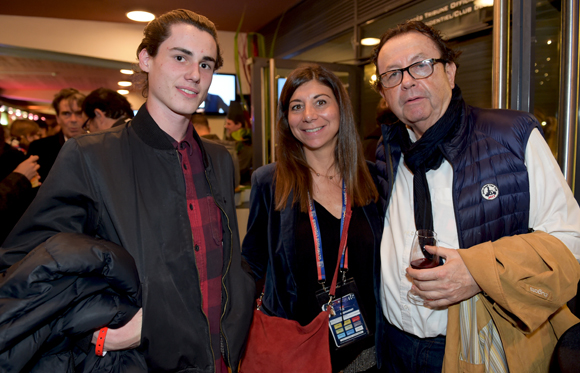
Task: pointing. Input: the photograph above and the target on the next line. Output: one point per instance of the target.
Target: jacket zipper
(199, 282)
(227, 350)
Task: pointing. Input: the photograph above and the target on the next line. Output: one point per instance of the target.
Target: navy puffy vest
(490, 181)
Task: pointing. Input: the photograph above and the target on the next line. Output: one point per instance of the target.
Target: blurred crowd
(29, 148)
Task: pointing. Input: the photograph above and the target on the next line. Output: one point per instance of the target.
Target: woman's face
(314, 116)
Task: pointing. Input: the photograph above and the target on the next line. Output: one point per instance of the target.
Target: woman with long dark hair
(320, 173)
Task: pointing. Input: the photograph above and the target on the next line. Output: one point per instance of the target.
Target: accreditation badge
(347, 323)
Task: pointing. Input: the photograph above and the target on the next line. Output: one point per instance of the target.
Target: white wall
(105, 40)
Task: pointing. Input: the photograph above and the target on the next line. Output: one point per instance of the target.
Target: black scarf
(425, 154)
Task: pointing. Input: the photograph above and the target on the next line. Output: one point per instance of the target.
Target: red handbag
(279, 345)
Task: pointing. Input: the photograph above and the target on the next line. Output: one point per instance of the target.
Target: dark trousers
(406, 353)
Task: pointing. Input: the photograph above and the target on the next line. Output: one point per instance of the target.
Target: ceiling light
(483, 3)
(122, 91)
(140, 16)
(125, 83)
(549, 42)
(370, 41)
(127, 71)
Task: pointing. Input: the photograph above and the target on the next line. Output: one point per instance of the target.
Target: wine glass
(420, 258)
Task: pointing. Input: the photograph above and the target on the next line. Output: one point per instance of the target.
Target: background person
(238, 129)
(158, 192)
(201, 125)
(67, 103)
(17, 175)
(483, 180)
(105, 108)
(319, 155)
(383, 115)
(24, 131)
(43, 128)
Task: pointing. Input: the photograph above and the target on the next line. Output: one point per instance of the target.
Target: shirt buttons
(185, 166)
(196, 247)
(190, 206)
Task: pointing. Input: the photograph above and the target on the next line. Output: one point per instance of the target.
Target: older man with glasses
(486, 182)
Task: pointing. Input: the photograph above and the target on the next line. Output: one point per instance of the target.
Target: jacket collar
(151, 134)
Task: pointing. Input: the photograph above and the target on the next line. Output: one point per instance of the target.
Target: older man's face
(417, 103)
(70, 117)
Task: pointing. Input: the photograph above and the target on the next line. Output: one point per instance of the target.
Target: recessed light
(122, 91)
(127, 71)
(370, 41)
(483, 3)
(140, 16)
(125, 83)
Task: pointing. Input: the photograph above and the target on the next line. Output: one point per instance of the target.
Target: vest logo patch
(489, 192)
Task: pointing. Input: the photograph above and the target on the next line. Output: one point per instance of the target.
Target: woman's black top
(360, 245)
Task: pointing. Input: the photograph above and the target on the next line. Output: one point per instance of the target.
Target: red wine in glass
(424, 263)
(420, 258)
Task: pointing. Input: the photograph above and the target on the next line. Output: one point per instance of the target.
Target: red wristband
(101, 341)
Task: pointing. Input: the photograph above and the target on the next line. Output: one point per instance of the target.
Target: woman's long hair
(292, 170)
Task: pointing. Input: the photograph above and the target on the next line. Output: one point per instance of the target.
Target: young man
(483, 180)
(155, 188)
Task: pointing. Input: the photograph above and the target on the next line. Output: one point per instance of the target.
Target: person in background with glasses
(105, 108)
(487, 183)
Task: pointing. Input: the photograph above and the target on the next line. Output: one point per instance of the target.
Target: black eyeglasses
(86, 125)
(418, 70)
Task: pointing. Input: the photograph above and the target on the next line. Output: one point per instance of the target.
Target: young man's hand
(126, 337)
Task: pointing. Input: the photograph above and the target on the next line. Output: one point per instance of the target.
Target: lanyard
(317, 239)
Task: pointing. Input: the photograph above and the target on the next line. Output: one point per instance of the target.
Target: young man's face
(418, 103)
(180, 75)
(70, 118)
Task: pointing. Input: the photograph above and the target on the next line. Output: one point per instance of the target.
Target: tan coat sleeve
(528, 276)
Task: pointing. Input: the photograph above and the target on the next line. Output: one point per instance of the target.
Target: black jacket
(16, 193)
(65, 289)
(270, 250)
(47, 150)
(125, 185)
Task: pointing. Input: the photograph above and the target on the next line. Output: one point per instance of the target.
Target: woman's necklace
(329, 177)
(326, 176)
